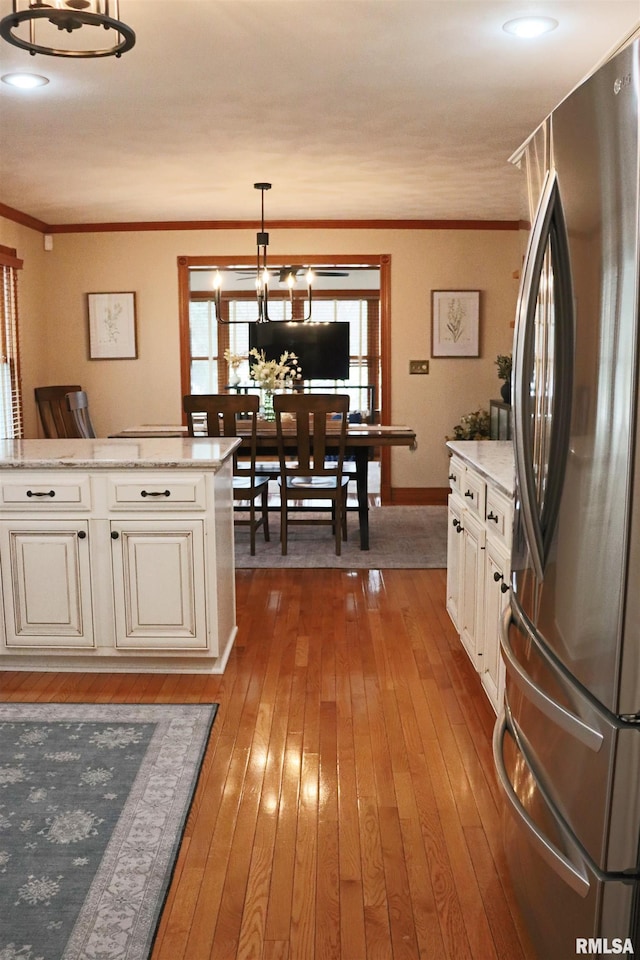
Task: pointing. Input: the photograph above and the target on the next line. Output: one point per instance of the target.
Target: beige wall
(123, 392)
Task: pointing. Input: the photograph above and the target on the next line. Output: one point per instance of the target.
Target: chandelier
(288, 275)
(33, 24)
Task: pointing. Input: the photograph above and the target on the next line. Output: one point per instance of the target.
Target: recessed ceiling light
(26, 81)
(529, 27)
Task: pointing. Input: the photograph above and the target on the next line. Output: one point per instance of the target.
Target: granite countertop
(493, 459)
(109, 454)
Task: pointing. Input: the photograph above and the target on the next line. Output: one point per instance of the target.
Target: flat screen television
(322, 348)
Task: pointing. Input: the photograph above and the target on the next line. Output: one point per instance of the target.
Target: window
(208, 372)
(10, 383)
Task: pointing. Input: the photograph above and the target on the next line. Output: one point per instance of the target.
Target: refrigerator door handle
(549, 233)
(525, 318)
(562, 717)
(569, 873)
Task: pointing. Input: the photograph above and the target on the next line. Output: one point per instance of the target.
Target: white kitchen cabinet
(126, 565)
(158, 585)
(465, 557)
(47, 600)
(495, 599)
(454, 559)
(480, 515)
(472, 588)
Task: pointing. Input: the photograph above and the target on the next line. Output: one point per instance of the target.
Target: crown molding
(9, 213)
(163, 225)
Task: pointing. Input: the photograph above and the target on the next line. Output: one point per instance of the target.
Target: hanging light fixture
(262, 276)
(32, 26)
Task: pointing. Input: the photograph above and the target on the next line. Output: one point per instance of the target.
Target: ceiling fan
(283, 273)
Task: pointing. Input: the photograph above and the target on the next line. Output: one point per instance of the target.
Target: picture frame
(455, 323)
(112, 326)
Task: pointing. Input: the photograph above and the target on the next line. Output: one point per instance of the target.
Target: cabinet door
(454, 567)
(159, 585)
(472, 587)
(46, 583)
(497, 579)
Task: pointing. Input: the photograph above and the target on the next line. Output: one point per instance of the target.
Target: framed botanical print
(112, 326)
(455, 323)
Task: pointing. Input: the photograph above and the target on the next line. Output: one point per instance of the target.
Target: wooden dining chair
(310, 467)
(54, 414)
(218, 415)
(78, 407)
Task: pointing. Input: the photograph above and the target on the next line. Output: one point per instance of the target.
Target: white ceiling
(353, 109)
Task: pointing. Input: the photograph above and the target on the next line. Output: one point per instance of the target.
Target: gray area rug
(93, 803)
(399, 537)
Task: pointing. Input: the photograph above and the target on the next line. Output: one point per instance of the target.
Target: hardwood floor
(347, 808)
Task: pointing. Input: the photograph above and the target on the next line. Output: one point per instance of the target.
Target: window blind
(11, 425)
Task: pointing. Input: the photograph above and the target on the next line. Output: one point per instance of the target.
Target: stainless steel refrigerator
(567, 749)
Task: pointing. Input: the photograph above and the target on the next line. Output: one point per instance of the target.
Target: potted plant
(473, 426)
(504, 364)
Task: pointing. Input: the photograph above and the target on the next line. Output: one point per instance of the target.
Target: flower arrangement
(504, 363)
(473, 426)
(234, 360)
(274, 374)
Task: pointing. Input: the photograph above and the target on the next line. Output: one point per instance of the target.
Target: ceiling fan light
(528, 28)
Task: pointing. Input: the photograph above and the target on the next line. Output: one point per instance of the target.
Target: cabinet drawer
(498, 515)
(473, 492)
(157, 492)
(46, 493)
(456, 473)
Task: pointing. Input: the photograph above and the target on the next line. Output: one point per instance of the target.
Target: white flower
(234, 360)
(274, 374)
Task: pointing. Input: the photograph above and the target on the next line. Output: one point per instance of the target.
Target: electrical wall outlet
(418, 366)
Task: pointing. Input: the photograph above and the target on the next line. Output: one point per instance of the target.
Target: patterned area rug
(93, 803)
(399, 537)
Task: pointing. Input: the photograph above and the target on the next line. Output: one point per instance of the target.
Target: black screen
(321, 348)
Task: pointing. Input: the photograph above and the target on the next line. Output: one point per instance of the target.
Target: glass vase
(267, 406)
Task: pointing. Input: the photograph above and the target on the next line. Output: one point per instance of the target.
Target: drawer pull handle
(114, 534)
(468, 493)
(453, 477)
(493, 516)
(41, 493)
(155, 493)
(82, 534)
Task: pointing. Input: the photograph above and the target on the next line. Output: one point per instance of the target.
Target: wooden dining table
(362, 440)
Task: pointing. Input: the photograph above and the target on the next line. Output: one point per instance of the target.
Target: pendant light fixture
(40, 25)
(262, 276)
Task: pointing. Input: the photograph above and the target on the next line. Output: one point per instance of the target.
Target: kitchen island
(117, 555)
(480, 519)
